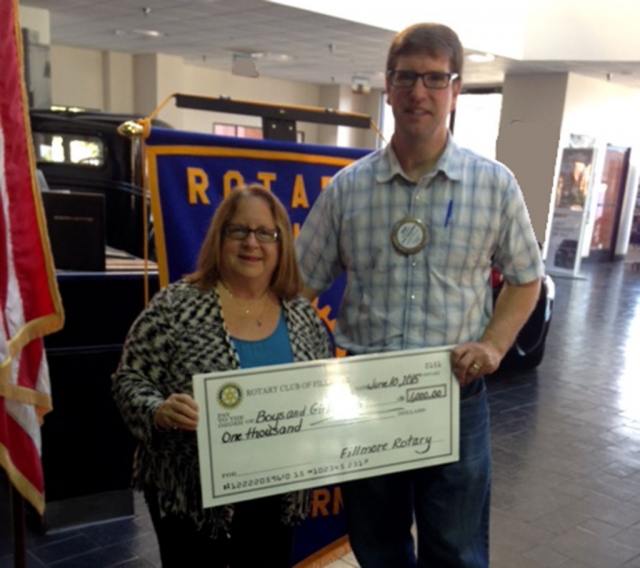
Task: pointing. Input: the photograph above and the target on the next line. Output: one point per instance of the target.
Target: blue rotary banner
(189, 174)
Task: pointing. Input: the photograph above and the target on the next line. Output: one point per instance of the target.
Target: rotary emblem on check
(229, 395)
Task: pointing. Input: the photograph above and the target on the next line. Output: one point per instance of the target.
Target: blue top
(272, 350)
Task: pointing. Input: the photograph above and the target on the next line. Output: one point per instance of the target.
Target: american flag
(31, 306)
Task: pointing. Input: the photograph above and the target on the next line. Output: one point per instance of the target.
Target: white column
(157, 76)
(117, 69)
(529, 138)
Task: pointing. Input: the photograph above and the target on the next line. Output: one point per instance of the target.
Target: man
(417, 226)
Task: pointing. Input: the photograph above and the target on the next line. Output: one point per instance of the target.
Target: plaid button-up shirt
(475, 217)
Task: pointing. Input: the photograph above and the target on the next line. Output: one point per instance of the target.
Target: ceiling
(321, 49)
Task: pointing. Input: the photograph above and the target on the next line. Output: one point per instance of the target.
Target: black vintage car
(82, 151)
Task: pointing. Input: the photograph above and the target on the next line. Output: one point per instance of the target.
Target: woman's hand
(178, 412)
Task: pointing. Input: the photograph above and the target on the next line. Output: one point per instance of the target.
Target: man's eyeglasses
(240, 233)
(431, 80)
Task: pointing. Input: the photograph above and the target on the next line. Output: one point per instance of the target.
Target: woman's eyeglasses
(240, 233)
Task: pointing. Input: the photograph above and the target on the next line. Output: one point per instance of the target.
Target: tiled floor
(566, 449)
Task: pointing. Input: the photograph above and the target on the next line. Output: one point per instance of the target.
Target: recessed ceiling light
(147, 34)
(481, 57)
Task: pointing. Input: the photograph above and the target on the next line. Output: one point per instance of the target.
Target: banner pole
(19, 540)
(135, 132)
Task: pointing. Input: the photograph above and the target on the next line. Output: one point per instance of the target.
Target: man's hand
(513, 307)
(472, 360)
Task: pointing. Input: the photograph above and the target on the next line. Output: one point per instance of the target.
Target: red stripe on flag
(26, 240)
(30, 303)
(24, 453)
(30, 361)
(31, 491)
(4, 261)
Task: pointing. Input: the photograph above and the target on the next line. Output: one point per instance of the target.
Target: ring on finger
(475, 367)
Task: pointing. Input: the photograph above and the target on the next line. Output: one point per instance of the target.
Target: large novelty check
(270, 430)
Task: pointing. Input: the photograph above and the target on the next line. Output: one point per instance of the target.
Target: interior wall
(145, 72)
(36, 19)
(155, 77)
(328, 97)
(170, 79)
(118, 81)
(216, 83)
(343, 98)
(371, 105)
(77, 77)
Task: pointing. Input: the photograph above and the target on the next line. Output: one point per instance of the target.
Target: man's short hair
(434, 40)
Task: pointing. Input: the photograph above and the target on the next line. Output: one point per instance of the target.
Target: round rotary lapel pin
(409, 235)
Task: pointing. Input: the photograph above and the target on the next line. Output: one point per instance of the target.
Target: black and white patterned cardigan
(180, 333)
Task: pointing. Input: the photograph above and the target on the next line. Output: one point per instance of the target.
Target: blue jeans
(450, 503)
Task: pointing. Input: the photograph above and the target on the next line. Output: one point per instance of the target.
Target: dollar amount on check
(270, 430)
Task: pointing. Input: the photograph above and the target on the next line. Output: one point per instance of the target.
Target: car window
(68, 148)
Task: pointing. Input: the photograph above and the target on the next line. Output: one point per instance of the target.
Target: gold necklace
(246, 310)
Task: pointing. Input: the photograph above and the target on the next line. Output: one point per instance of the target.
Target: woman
(239, 309)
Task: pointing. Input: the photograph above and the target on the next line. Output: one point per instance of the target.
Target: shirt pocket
(461, 248)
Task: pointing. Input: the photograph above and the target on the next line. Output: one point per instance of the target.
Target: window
(477, 122)
(387, 122)
(69, 149)
(239, 131)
